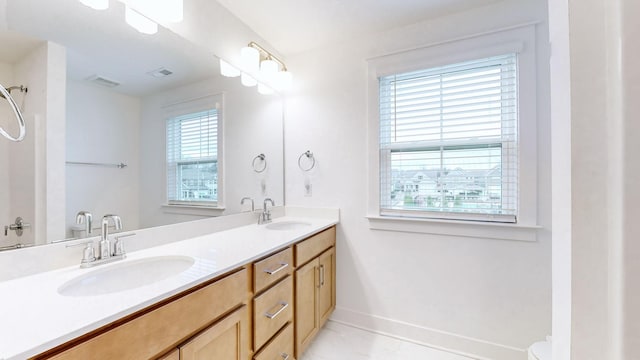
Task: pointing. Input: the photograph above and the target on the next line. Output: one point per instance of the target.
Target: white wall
(36, 164)
(601, 109)
(6, 117)
(490, 298)
(252, 124)
(560, 72)
(104, 127)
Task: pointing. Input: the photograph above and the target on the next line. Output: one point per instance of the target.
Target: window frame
(190, 106)
(520, 40)
(440, 147)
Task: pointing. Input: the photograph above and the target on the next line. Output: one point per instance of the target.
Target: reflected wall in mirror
(101, 94)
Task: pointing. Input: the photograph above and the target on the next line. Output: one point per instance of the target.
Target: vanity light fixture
(255, 60)
(96, 4)
(144, 15)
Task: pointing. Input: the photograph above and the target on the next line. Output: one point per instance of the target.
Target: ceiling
(293, 26)
(100, 43)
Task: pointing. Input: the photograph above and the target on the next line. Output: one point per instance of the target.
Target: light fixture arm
(268, 55)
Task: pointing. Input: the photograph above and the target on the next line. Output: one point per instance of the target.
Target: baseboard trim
(437, 339)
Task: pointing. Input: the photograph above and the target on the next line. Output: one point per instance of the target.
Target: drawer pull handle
(321, 275)
(282, 267)
(283, 305)
(285, 356)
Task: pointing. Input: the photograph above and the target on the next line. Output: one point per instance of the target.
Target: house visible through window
(192, 158)
(449, 141)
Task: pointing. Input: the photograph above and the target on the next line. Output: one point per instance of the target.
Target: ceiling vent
(103, 81)
(161, 72)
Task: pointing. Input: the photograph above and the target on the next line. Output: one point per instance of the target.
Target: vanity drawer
(272, 269)
(158, 330)
(280, 348)
(315, 245)
(272, 310)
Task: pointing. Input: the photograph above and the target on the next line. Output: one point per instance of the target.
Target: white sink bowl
(126, 275)
(287, 225)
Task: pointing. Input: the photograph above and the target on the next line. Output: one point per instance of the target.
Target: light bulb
(247, 80)
(268, 70)
(250, 59)
(228, 70)
(284, 79)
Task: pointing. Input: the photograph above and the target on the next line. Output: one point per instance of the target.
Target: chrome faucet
(105, 245)
(85, 217)
(105, 252)
(253, 208)
(265, 216)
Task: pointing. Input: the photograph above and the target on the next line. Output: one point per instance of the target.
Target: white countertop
(34, 317)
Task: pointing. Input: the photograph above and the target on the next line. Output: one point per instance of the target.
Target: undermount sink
(287, 225)
(126, 275)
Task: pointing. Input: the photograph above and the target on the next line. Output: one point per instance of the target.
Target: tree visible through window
(192, 158)
(448, 141)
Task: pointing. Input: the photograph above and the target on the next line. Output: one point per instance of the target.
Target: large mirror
(102, 106)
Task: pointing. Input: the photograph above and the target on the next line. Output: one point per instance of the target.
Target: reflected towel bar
(119, 166)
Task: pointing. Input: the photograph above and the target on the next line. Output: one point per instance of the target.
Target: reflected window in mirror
(192, 160)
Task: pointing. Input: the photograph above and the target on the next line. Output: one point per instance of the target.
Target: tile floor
(340, 342)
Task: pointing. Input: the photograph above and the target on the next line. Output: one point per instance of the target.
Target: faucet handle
(88, 254)
(118, 245)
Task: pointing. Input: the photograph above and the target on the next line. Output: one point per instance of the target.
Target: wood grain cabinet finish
(327, 290)
(315, 290)
(267, 310)
(272, 310)
(227, 339)
(174, 355)
(314, 246)
(272, 269)
(280, 348)
(155, 332)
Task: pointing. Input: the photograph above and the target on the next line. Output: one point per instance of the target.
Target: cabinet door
(225, 340)
(327, 291)
(174, 355)
(306, 321)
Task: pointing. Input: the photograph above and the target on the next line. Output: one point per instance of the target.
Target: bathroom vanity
(252, 292)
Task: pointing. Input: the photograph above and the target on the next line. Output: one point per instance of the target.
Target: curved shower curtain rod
(6, 93)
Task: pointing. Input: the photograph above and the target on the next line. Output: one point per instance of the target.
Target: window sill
(476, 229)
(197, 210)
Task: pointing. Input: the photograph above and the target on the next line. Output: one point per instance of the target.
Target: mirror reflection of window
(192, 156)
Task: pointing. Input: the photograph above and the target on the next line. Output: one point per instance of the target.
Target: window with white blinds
(192, 158)
(449, 141)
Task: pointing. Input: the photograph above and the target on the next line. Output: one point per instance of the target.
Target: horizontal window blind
(192, 158)
(448, 141)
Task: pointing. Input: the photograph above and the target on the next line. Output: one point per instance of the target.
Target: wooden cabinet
(268, 310)
(327, 292)
(228, 339)
(174, 355)
(273, 309)
(156, 330)
(280, 348)
(272, 269)
(315, 287)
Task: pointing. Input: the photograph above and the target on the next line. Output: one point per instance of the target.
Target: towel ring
(309, 156)
(16, 111)
(254, 164)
